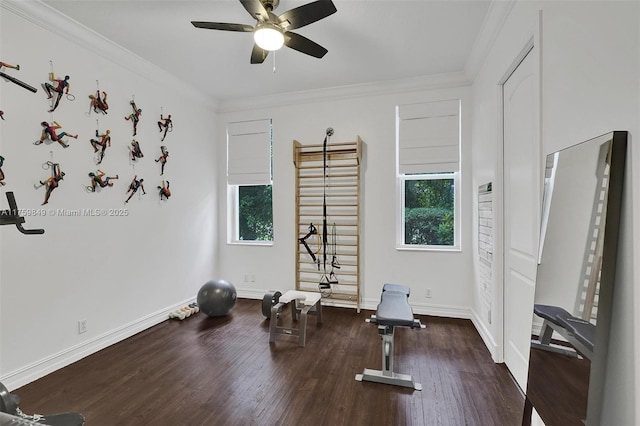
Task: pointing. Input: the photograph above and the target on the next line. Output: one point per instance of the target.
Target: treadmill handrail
(11, 217)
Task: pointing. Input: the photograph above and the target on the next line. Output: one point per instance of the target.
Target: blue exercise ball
(216, 298)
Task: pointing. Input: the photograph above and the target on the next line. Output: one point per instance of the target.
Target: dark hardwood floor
(558, 387)
(223, 371)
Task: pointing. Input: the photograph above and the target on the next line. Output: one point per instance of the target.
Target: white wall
(124, 273)
(371, 115)
(590, 68)
(120, 273)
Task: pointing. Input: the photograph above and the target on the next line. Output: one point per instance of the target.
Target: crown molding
(429, 82)
(494, 20)
(50, 19)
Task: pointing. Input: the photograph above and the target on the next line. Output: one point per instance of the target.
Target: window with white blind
(428, 170)
(249, 181)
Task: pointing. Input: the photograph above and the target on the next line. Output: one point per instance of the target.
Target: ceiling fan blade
(258, 54)
(256, 9)
(303, 44)
(306, 14)
(223, 26)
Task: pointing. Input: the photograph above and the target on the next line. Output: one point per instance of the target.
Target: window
(429, 210)
(254, 219)
(428, 164)
(249, 181)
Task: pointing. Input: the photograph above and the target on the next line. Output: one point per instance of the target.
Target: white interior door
(521, 212)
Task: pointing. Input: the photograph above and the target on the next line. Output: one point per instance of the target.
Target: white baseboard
(446, 311)
(246, 293)
(372, 304)
(486, 336)
(41, 368)
(420, 308)
(259, 294)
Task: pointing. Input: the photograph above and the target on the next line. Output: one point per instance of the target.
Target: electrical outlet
(246, 278)
(82, 326)
(427, 293)
(252, 277)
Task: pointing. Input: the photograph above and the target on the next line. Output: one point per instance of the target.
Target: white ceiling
(368, 41)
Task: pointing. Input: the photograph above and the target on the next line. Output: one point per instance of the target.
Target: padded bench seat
(578, 332)
(555, 314)
(393, 309)
(582, 330)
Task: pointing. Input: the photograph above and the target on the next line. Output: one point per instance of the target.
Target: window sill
(452, 249)
(251, 243)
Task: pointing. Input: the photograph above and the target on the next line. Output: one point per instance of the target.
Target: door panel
(521, 213)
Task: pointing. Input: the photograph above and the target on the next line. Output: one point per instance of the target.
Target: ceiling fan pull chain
(274, 62)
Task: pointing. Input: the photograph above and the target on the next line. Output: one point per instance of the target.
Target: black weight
(270, 298)
(64, 419)
(9, 404)
(8, 401)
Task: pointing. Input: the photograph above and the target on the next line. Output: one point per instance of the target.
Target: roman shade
(429, 137)
(249, 153)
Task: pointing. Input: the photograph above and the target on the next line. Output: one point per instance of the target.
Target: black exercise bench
(579, 333)
(393, 311)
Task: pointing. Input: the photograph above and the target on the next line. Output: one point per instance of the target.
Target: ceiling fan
(272, 31)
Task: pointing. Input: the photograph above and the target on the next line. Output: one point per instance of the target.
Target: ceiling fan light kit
(268, 37)
(273, 31)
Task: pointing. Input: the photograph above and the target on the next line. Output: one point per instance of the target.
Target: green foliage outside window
(255, 213)
(429, 212)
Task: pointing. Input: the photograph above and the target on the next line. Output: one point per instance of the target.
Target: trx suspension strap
(333, 279)
(303, 240)
(324, 281)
